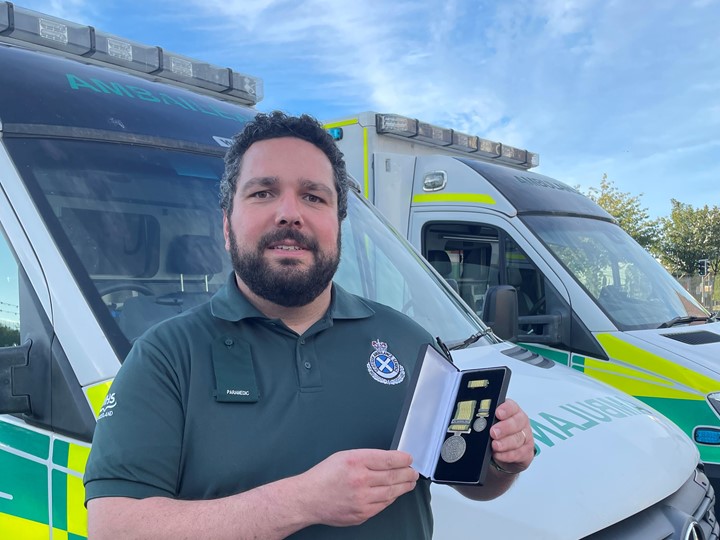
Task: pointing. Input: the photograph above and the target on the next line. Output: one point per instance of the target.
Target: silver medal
(453, 449)
(479, 424)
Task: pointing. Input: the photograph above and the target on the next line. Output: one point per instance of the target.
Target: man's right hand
(350, 487)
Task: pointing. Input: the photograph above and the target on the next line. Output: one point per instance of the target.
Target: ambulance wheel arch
(492, 252)
(41, 480)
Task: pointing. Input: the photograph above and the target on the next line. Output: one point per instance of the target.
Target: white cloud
(593, 86)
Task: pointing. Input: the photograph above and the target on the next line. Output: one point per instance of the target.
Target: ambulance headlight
(714, 401)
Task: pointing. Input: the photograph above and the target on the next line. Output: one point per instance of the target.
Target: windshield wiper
(684, 320)
(472, 339)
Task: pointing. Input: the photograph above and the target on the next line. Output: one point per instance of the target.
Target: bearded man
(247, 417)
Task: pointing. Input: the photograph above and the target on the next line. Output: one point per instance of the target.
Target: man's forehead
(286, 157)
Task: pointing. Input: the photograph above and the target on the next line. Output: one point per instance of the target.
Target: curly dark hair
(272, 126)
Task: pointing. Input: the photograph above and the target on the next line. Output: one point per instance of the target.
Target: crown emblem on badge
(383, 366)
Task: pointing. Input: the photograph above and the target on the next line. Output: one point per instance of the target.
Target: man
(255, 415)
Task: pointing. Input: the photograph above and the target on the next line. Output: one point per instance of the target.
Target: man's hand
(352, 486)
(513, 446)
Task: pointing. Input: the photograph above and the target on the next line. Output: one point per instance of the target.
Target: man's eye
(313, 198)
(261, 195)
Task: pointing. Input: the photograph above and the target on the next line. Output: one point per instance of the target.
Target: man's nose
(289, 211)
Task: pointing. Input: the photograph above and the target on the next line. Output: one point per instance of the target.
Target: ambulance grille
(694, 338)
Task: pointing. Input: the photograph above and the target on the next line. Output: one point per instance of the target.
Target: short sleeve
(137, 444)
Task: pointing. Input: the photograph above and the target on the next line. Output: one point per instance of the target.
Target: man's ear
(226, 230)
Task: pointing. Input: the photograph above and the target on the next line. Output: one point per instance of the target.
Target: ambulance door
(41, 492)
(482, 254)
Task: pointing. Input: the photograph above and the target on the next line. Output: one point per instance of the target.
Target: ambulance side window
(480, 256)
(9, 297)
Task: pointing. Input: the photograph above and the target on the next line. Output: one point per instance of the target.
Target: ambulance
(110, 157)
(588, 296)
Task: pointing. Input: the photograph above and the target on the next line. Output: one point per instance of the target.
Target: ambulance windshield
(632, 289)
(140, 228)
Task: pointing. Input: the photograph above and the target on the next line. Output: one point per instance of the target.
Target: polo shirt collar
(231, 305)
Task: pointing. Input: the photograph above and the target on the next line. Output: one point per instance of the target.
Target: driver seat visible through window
(188, 256)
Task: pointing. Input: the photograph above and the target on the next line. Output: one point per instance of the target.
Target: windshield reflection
(141, 230)
(624, 280)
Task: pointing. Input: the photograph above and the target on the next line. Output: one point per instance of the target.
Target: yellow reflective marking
(632, 381)
(96, 395)
(76, 512)
(480, 198)
(603, 365)
(59, 534)
(617, 348)
(77, 457)
(17, 527)
(366, 165)
(341, 123)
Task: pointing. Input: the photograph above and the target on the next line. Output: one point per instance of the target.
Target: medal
(453, 448)
(479, 424)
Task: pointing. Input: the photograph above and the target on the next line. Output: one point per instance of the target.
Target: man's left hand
(513, 447)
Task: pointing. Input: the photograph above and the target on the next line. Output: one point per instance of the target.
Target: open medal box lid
(446, 419)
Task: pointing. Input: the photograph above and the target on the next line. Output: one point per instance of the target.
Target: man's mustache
(303, 241)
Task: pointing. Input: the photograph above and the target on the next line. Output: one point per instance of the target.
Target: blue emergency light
(336, 133)
(707, 435)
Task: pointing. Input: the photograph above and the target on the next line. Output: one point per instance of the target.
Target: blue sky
(627, 88)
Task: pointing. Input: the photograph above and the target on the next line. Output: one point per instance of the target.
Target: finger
(387, 494)
(384, 460)
(507, 409)
(511, 426)
(392, 477)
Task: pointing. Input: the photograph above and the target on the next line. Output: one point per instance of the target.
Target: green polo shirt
(222, 399)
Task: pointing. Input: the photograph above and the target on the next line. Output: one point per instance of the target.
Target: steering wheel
(125, 286)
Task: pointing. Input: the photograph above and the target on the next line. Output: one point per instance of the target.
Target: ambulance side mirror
(11, 360)
(500, 311)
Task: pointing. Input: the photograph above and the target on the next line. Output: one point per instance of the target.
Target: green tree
(691, 234)
(629, 213)
(9, 337)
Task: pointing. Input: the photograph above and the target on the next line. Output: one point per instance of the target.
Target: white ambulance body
(109, 223)
(588, 295)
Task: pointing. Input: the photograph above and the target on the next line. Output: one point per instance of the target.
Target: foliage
(9, 337)
(628, 212)
(691, 234)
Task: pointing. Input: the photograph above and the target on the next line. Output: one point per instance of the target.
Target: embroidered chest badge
(383, 366)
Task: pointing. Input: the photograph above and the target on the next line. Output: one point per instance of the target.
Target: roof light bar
(489, 148)
(396, 125)
(513, 155)
(33, 27)
(126, 53)
(466, 143)
(434, 134)
(401, 126)
(27, 26)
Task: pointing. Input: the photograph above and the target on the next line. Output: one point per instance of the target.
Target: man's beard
(289, 285)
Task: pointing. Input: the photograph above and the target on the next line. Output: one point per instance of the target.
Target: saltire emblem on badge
(383, 366)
